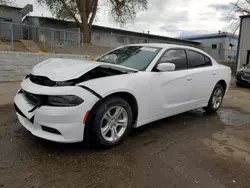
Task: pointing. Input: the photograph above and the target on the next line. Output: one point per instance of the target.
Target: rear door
(204, 77)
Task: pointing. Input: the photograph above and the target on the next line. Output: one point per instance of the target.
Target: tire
(239, 84)
(101, 120)
(215, 103)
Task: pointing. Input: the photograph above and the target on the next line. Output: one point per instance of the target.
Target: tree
(83, 12)
(239, 8)
(242, 7)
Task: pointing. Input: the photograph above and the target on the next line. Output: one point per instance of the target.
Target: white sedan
(67, 100)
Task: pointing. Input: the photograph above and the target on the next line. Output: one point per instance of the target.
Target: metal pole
(79, 41)
(12, 36)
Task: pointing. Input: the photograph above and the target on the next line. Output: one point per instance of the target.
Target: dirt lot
(193, 149)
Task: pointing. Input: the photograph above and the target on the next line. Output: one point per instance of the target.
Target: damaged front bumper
(59, 124)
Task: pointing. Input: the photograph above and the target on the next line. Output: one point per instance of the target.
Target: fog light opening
(50, 130)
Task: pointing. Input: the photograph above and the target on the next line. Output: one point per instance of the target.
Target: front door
(170, 91)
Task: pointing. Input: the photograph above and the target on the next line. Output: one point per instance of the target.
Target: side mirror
(164, 67)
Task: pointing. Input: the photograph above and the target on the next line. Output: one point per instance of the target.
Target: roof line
(245, 16)
(19, 8)
(121, 30)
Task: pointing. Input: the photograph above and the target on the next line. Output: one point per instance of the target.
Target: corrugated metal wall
(244, 41)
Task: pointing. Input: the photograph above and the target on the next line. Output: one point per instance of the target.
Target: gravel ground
(193, 149)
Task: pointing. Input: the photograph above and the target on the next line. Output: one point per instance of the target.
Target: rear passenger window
(177, 57)
(198, 60)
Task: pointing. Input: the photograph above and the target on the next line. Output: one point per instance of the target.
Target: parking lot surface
(193, 149)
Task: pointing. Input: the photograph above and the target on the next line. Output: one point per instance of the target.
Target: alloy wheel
(114, 123)
(217, 98)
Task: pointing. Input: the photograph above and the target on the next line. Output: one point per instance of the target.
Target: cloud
(221, 7)
(173, 18)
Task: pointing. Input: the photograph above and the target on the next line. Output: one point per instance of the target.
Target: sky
(172, 18)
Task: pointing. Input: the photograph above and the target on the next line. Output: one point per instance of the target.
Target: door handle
(214, 73)
(189, 79)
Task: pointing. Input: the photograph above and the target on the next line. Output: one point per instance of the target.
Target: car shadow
(138, 136)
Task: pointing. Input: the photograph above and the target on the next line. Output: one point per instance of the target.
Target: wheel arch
(223, 84)
(127, 96)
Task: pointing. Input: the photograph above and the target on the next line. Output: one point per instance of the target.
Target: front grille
(34, 98)
(42, 80)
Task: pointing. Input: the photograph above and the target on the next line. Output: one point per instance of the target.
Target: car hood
(245, 70)
(66, 69)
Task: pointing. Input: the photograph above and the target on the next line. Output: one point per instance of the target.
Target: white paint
(158, 95)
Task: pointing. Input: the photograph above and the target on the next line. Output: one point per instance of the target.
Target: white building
(243, 52)
(221, 46)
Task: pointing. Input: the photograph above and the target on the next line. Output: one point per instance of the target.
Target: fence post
(12, 37)
(110, 42)
(81, 45)
(51, 40)
(64, 37)
(79, 42)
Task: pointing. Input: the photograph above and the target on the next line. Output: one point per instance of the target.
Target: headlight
(63, 100)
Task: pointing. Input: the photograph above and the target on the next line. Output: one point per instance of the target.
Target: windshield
(136, 57)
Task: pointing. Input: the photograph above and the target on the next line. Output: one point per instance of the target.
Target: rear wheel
(111, 122)
(216, 99)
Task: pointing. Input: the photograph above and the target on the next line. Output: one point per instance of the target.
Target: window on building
(120, 39)
(132, 40)
(96, 37)
(177, 57)
(214, 46)
(198, 60)
(231, 46)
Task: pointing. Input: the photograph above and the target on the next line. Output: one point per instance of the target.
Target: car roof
(166, 46)
(162, 45)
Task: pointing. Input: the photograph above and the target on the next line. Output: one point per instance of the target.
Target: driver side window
(177, 57)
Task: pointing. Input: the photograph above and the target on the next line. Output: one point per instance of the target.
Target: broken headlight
(63, 100)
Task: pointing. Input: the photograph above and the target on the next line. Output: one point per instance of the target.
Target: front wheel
(111, 122)
(216, 99)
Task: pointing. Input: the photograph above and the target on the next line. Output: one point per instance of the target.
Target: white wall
(222, 52)
(15, 65)
(244, 41)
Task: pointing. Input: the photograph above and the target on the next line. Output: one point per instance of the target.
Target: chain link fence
(113, 40)
(20, 37)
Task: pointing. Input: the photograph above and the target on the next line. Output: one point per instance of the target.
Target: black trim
(91, 91)
(248, 55)
(188, 50)
(50, 130)
(20, 113)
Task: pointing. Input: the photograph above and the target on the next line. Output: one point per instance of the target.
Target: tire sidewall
(210, 104)
(96, 134)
